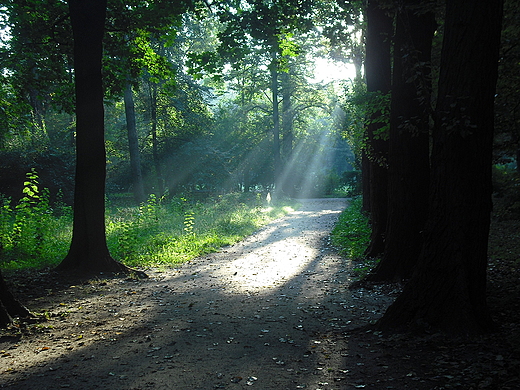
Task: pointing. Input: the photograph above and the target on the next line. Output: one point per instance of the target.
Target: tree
(267, 28)
(9, 306)
(133, 145)
(88, 251)
(378, 77)
(448, 288)
(408, 154)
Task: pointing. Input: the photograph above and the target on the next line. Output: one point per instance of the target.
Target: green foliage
(365, 108)
(352, 231)
(160, 231)
(32, 233)
(147, 58)
(171, 231)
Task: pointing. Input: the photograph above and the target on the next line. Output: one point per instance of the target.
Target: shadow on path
(255, 314)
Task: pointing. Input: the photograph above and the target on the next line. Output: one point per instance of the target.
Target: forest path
(261, 313)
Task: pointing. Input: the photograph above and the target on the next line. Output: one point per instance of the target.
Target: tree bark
(277, 161)
(408, 155)
(365, 181)
(287, 117)
(378, 75)
(9, 306)
(88, 252)
(133, 145)
(287, 133)
(155, 142)
(448, 288)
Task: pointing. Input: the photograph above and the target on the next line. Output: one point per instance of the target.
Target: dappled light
(277, 257)
(258, 319)
(233, 194)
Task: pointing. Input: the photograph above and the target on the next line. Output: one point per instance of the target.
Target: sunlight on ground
(281, 263)
(280, 257)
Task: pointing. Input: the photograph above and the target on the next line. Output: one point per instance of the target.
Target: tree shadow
(227, 320)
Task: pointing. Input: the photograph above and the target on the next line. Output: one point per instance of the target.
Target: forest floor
(272, 312)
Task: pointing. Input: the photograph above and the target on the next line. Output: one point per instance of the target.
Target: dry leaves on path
(272, 312)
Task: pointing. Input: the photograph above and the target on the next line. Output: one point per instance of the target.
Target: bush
(33, 233)
(351, 234)
(168, 231)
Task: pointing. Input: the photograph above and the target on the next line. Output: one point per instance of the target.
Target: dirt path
(252, 315)
(273, 312)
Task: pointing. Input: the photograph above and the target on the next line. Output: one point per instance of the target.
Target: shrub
(351, 234)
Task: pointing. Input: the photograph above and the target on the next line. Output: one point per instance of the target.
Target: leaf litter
(272, 312)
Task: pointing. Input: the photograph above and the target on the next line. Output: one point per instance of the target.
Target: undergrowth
(33, 232)
(351, 234)
(162, 231)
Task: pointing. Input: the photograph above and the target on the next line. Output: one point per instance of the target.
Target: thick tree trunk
(378, 75)
(408, 157)
(133, 145)
(88, 252)
(448, 289)
(9, 306)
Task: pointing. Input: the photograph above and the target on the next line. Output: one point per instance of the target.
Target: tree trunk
(448, 288)
(287, 117)
(365, 181)
(277, 161)
(9, 306)
(155, 142)
(133, 145)
(408, 156)
(287, 133)
(378, 75)
(88, 252)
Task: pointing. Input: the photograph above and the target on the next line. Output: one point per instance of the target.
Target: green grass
(161, 232)
(351, 234)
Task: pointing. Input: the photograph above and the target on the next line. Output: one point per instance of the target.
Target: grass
(161, 232)
(352, 231)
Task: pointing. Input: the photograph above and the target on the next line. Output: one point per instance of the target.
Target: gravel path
(260, 314)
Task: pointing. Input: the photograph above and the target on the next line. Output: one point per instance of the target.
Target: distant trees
(265, 28)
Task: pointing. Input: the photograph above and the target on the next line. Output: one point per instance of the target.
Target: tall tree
(88, 251)
(448, 288)
(133, 145)
(378, 78)
(408, 155)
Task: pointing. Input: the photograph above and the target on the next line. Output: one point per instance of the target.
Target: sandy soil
(272, 312)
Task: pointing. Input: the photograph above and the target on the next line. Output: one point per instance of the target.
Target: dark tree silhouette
(9, 306)
(408, 155)
(378, 76)
(448, 288)
(88, 252)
